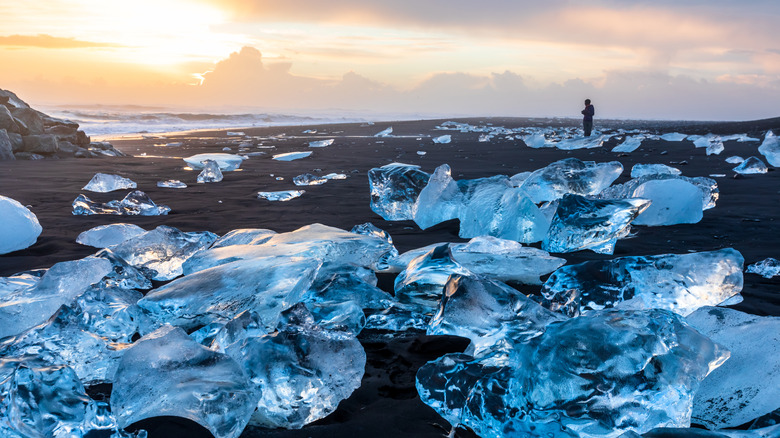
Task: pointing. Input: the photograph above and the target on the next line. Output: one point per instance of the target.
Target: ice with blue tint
(172, 184)
(440, 200)
(104, 183)
(301, 372)
(680, 283)
(321, 143)
(570, 176)
(767, 268)
(770, 149)
(20, 228)
(104, 236)
(162, 251)
(747, 385)
(595, 224)
(574, 143)
(27, 304)
(290, 156)
(244, 236)
(751, 165)
(631, 143)
(122, 274)
(536, 141)
(210, 173)
(226, 162)
(265, 285)
(442, 139)
(713, 143)
(640, 170)
(282, 196)
(167, 373)
(734, 159)
(674, 136)
(707, 186)
(422, 282)
(387, 132)
(598, 375)
(395, 188)
(136, 203)
(307, 179)
(673, 201)
(335, 176)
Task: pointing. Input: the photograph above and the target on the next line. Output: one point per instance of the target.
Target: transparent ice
(767, 268)
(750, 166)
(123, 275)
(570, 175)
(244, 236)
(581, 223)
(674, 136)
(210, 172)
(394, 190)
(172, 184)
(387, 132)
(136, 203)
(630, 143)
(422, 282)
(321, 143)
(104, 183)
(707, 186)
(307, 179)
(104, 236)
(673, 201)
(282, 196)
(440, 200)
(680, 283)
(640, 170)
(496, 209)
(290, 156)
(335, 176)
(591, 142)
(770, 149)
(226, 162)
(20, 227)
(536, 141)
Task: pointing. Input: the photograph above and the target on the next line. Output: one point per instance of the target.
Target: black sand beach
(746, 218)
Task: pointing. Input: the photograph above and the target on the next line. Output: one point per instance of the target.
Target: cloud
(51, 42)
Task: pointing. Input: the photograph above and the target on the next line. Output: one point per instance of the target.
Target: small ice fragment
(421, 153)
(484, 138)
(717, 175)
(235, 133)
(104, 236)
(290, 156)
(735, 159)
(630, 144)
(226, 149)
(20, 227)
(385, 133)
(321, 143)
(674, 136)
(766, 268)
(335, 176)
(535, 141)
(309, 131)
(226, 162)
(104, 183)
(442, 139)
(172, 184)
(750, 166)
(210, 172)
(640, 170)
(284, 195)
(136, 203)
(307, 179)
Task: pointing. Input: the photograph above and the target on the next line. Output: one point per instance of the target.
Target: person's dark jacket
(588, 113)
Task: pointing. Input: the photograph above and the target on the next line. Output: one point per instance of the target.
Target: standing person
(587, 117)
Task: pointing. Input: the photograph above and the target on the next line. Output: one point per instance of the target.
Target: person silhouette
(587, 118)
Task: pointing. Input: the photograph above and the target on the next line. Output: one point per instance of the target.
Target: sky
(659, 59)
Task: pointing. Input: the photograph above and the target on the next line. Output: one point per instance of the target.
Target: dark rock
(105, 148)
(7, 121)
(31, 119)
(82, 139)
(61, 130)
(28, 156)
(17, 142)
(82, 153)
(11, 100)
(6, 148)
(50, 122)
(40, 144)
(67, 148)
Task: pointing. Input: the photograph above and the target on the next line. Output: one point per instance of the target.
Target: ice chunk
(678, 282)
(734, 159)
(369, 229)
(751, 165)
(162, 251)
(104, 236)
(484, 138)
(489, 313)
(307, 179)
(707, 186)
(172, 184)
(713, 143)
(630, 144)
(168, 373)
(770, 149)
(674, 136)
(20, 227)
(505, 260)
(596, 375)
(442, 139)
(581, 143)
(385, 132)
(536, 141)
(440, 200)
(321, 143)
(104, 183)
(290, 156)
(570, 175)
(581, 223)
(28, 304)
(136, 203)
(123, 275)
(282, 196)
(640, 170)
(335, 176)
(422, 282)
(302, 372)
(244, 236)
(265, 285)
(495, 209)
(673, 201)
(210, 172)
(394, 190)
(226, 162)
(766, 268)
(746, 386)
(339, 283)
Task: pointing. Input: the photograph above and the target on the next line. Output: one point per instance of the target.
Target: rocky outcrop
(28, 134)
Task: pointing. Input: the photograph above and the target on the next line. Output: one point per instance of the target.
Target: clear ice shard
(226, 162)
(536, 141)
(707, 186)
(244, 236)
(770, 149)
(136, 203)
(630, 144)
(767, 268)
(123, 275)
(172, 184)
(20, 227)
(266, 286)
(167, 373)
(307, 179)
(598, 375)
(570, 176)
(581, 223)
(751, 165)
(290, 156)
(162, 251)
(210, 172)
(440, 200)
(640, 170)
(680, 283)
(674, 136)
(505, 260)
(387, 132)
(734, 159)
(581, 142)
(746, 386)
(442, 139)
(104, 236)
(321, 143)
(394, 190)
(284, 195)
(673, 201)
(302, 372)
(28, 305)
(489, 313)
(104, 183)
(422, 282)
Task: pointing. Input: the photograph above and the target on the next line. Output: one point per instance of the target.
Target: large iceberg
(136, 203)
(394, 190)
(595, 224)
(226, 162)
(673, 201)
(570, 176)
(678, 282)
(20, 227)
(770, 149)
(104, 236)
(104, 183)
